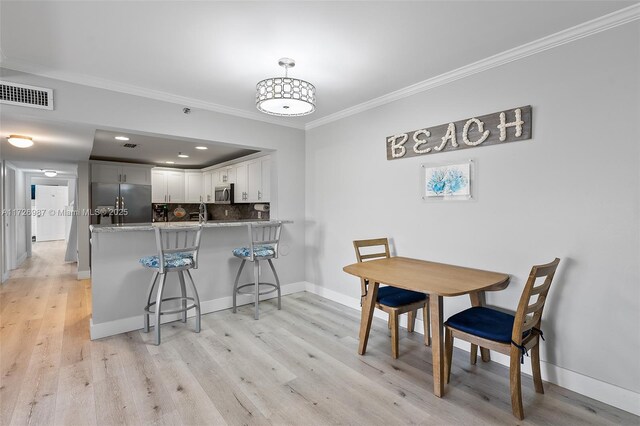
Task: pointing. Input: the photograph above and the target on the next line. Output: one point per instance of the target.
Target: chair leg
(154, 279)
(474, 354)
(426, 324)
(256, 277)
(275, 275)
(159, 306)
(183, 294)
(535, 368)
(394, 334)
(411, 320)
(197, 300)
(448, 353)
(389, 321)
(235, 285)
(516, 391)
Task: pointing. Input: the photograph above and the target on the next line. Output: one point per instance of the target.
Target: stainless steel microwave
(223, 194)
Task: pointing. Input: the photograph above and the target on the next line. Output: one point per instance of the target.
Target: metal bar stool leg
(183, 294)
(159, 306)
(256, 276)
(275, 274)
(197, 301)
(235, 286)
(154, 279)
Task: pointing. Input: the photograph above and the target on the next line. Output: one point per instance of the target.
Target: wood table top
(428, 277)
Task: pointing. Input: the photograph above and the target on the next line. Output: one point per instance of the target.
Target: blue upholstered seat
(171, 260)
(258, 251)
(394, 296)
(484, 322)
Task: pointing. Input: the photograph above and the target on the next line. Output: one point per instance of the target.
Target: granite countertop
(127, 227)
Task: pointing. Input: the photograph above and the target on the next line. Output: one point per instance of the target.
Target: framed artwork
(449, 181)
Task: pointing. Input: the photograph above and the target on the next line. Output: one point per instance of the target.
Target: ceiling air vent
(130, 145)
(27, 96)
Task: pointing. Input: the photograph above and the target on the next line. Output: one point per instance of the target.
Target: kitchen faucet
(202, 213)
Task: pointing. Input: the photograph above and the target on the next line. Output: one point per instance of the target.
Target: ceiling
(156, 149)
(214, 52)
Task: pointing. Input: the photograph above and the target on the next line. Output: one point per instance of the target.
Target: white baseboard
(21, 260)
(84, 275)
(616, 396)
(111, 328)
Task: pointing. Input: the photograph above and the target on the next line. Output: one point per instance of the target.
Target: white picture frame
(451, 181)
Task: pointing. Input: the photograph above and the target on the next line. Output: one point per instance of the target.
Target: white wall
(111, 110)
(17, 232)
(572, 192)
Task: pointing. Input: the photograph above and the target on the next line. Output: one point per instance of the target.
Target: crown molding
(129, 89)
(603, 23)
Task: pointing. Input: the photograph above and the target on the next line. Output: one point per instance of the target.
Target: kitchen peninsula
(119, 282)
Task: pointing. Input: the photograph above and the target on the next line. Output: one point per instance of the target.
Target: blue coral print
(447, 181)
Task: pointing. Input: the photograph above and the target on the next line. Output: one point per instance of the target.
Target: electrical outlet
(226, 212)
(259, 215)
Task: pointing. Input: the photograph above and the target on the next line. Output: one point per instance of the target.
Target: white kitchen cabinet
(240, 194)
(265, 194)
(118, 173)
(208, 186)
(193, 182)
(167, 186)
(253, 181)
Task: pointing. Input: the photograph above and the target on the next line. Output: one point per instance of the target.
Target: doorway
(51, 203)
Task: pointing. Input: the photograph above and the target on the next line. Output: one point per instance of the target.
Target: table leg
(477, 299)
(437, 347)
(367, 316)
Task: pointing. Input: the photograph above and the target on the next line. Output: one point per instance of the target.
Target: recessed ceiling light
(181, 155)
(121, 138)
(20, 141)
(170, 162)
(50, 173)
(201, 147)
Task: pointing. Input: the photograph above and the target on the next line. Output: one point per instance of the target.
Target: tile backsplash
(214, 211)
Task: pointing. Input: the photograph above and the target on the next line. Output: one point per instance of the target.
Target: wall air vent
(27, 96)
(130, 145)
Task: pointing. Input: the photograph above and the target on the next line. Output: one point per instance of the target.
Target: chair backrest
(264, 234)
(179, 239)
(382, 252)
(529, 311)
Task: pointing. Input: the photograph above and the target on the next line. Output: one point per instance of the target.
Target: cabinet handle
(169, 197)
(259, 195)
(165, 198)
(125, 177)
(119, 178)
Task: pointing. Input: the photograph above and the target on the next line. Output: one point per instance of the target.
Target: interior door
(52, 201)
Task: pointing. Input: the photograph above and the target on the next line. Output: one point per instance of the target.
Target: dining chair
(177, 250)
(508, 334)
(393, 300)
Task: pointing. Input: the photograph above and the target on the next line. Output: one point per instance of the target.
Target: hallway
(294, 366)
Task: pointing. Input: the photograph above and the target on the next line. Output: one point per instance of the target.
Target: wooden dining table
(436, 279)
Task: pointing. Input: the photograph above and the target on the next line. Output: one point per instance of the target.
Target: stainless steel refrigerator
(113, 200)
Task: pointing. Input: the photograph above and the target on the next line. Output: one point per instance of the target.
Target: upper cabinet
(168, 186)
(193, 182)
(253, 181)
(208, 186)
(119, 173)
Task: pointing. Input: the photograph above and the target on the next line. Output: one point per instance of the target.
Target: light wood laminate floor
(295, 366)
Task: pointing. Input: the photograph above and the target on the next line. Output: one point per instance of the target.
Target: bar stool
(178, 247)
(264, 239)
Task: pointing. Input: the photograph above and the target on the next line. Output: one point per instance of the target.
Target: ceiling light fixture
(50, 173)
(286, 96)
(170, 162)
(20, 141)
(121, 138)
(201, 147)
(181, 155)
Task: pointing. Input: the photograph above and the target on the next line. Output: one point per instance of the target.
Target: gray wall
(108, 110)
(572, 192)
